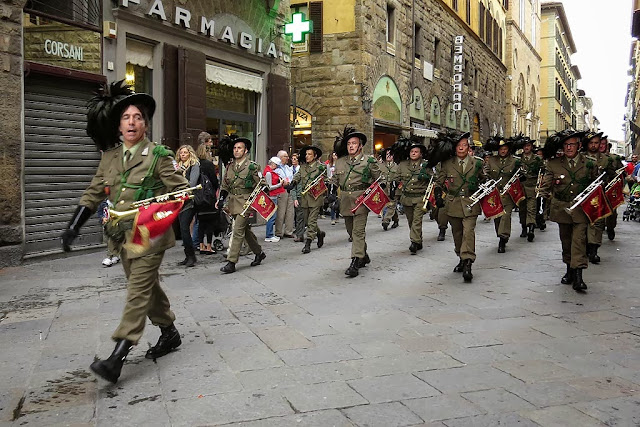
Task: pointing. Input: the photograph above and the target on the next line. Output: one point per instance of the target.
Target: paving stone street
(294, 342)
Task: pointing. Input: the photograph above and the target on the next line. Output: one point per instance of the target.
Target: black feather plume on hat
(495, 142)
(444, 147)
(340, 143)
(400, 149)
(225, 149)
(100, 127)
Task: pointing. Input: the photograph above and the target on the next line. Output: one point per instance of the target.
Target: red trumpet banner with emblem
(596, 206)
(492, 205)
(264, 205)
(516, 192)
(376, 199)
(432, 198)
(318, 190)
(615, 194)
(151, 223)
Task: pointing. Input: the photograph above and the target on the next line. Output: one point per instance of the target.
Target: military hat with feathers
(105, 108)
(302, 154)
(340, 143)
(225, 147)
(496, 141)
(555, 142)
(401, 148)
(588, 136)
(520, 140)
(444, 146)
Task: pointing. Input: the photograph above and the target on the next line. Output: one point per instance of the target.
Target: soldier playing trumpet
(566, 178)
(532, 166)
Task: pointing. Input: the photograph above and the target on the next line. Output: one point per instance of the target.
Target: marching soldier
(414, 174)
(439, 215)
(612, 220)
(388, 169)
(134, 170)
(567, 176)
(460, 176)
(532, 166)
(591, 145)
(504, 165)
(239, 182)
(354, 173)
(310, 171)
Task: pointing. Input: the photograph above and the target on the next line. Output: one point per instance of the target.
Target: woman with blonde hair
(190, 165)
(206, 213)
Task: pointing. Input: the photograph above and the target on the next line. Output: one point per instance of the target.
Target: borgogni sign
(182, 17)
(458, 72)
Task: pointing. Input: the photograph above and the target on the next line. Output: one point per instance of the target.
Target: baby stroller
(221, 229)
(633, 206)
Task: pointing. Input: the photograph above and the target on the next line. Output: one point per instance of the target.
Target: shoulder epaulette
(516, 157)
(478, 158)
(593, 159)
(253, 165)
(162, 151)
(118, 145)
(322, 167)
(371, 159)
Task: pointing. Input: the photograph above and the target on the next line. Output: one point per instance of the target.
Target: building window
(84, 12)
(315, 38)
(476, 79)
(505, 3)
(481, 26)
(454, 4)
(391, 24)
(468, 12)
(417, 35)
(489, 27)
(522, 15)
(436, 51)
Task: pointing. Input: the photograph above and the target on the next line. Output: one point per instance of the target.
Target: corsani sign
(203, 25)
(458, 72)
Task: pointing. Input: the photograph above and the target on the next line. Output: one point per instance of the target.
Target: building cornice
(559, 7)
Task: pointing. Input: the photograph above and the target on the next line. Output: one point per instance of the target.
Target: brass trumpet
(619, 172)
(539, 183)
(484, 190)
(585, 193)
(311, 184)
(180, 194)
(252, 197)
(511, 181)
(427, 193)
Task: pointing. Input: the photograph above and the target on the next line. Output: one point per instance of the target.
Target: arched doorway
(387, 113)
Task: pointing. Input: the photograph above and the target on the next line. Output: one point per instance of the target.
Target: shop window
(139, 66)
(227, 98)
(84, 12)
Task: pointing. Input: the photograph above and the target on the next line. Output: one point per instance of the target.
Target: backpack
(206, 197)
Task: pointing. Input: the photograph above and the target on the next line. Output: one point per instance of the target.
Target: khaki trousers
(612, 220)
(241, 232)
(528, 211)
(414, 214)
(594, 232)
(390, 213)
(284, 215)
(574, 244)
(311, 221)
(441, 218)
(356, 226)
(464, 236)
(145, 297)
(503, 224)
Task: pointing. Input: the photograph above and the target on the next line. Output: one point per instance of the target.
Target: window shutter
(315, 38)
(278, 111)
(191, 95)
(170, 116)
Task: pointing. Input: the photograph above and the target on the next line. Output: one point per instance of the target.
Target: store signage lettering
(458, 72)
(183, 18)
(63, 50)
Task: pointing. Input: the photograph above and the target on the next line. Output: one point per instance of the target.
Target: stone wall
(349, 60)
(11, 224)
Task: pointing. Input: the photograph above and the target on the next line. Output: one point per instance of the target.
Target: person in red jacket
(274, 182)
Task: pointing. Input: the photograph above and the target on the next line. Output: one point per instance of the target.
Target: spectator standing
(284, 216)
(206, 213)
(274, 182)
(190, 166)
(332, 195)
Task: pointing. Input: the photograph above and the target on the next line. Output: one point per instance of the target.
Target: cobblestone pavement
(294, 342)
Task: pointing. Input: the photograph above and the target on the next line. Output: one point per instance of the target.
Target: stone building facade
(523, 60)
(388, 68)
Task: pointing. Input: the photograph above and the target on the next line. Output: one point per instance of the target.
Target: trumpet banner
(596, 206)
(152, 222)
(318, 189)
(615, 194)
(492, 205)
(264, 205)
(376, 199)
(516, 192)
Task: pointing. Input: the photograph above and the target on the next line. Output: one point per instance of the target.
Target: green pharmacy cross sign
(298, 27)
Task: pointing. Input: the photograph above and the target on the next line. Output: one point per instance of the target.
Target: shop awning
(426, 133)
(237, 79)
(140, 54)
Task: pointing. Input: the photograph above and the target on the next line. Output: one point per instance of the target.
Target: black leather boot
(385, 226)
(502, 244)
(530, 234)
(169, 340)
(229, 267)
(578, 283)
(466, 270)
(110, 369)
(190, 261)
(567, 279)
(458, 268)
(524, 231)
(307, 246)
(611, 233)
(594, 258)
(258, 259)
(352, 271)
(321, 235)
(413, 248)
(441, 234)
(364, 261)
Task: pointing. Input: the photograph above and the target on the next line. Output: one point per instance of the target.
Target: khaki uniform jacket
(239, 181)
(606, 163)
(460, 185)
(496, 169)
(353, 175)
(306, 175)
(531, 165)
(110, 175)
(415, 178)
(562, 185)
